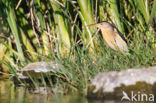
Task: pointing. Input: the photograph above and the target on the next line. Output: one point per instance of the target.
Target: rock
(40, 69)
(112, 84)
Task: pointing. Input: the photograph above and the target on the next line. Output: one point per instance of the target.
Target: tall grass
(56, 30)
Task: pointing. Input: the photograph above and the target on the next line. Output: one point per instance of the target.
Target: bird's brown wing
(109, 39)
(120, 42)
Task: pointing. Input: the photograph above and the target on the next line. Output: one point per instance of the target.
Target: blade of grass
(26, 34)
(40, 16)
(153, 13)
(142, 6)
(87, 18)
(6, 45)
(86, 35)
(64, 34)
(114, 12)
(10, 16)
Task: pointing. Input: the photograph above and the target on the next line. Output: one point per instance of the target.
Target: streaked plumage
(112, 36)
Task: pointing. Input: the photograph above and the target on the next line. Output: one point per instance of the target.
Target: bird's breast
(108, 36)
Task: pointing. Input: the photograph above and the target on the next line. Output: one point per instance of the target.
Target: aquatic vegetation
(56, 30)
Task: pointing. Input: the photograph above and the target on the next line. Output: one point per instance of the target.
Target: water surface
(9, 93)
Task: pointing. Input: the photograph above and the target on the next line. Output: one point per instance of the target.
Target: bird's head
(101, 25)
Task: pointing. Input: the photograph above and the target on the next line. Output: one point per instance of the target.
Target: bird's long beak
(93, 25)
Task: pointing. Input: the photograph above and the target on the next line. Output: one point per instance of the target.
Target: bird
(112, 36)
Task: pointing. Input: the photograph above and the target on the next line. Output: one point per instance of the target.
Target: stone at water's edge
(39, 69)
(112, 84)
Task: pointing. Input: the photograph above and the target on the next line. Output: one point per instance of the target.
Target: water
(9, 93)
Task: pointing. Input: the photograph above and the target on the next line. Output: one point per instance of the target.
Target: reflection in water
(11, 94)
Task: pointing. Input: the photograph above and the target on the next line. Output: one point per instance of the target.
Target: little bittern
(112, 36)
